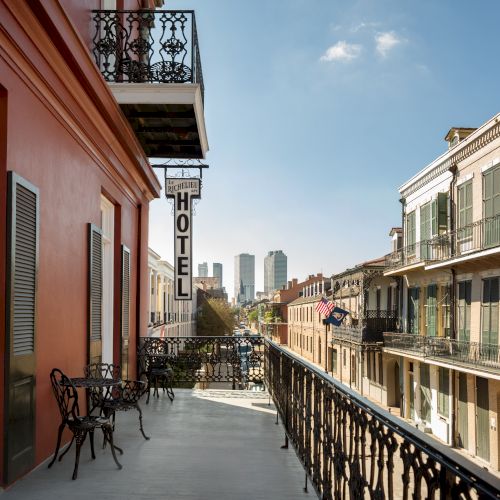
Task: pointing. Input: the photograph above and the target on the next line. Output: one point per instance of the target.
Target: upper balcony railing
(143, 46)
(351, 448)
(472, 354)
(416, 253)
(480, 235)
(375, 323)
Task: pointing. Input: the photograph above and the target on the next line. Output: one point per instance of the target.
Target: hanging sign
(183, 190)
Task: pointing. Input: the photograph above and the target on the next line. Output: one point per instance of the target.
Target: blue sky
(317, 111)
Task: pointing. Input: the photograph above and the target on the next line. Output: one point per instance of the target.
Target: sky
(316, 112)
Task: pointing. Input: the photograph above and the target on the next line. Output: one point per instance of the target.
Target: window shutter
(23, 264)
(95, 294)
(125, 309)
(442, 206)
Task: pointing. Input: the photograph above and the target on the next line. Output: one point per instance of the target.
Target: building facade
(244, 278)
(275, 271)
(203, 270)
(168, 317)
(217, 273)
(75, 188)
(448, 344)
(372, 301)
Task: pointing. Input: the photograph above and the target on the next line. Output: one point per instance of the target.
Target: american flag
(325, 307)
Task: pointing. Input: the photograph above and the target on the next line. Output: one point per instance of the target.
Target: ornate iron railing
(421, 251)
(237, 360)
(480, 235)
(141, 46)
(474, 354)
(350, 448)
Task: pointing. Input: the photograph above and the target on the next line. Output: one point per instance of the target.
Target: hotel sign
(183, 190)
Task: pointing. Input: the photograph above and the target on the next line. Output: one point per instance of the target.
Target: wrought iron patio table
(92, 383)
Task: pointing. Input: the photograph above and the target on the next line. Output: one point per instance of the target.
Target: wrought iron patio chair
(121, 397)
(156, 368)
(80, 425)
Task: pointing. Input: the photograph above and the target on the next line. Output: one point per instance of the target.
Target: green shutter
(426, 227)
(490, 311)
(410, 232)
(430, 310)
(464, 305)
(442, 204)
(125, 310)
(491, 207)
(95, 294)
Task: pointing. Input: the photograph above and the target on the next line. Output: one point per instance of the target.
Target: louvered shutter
(22, 275)
(125, 309)
(95, 294)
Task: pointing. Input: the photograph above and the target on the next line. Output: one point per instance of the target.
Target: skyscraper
(203, 270)
(244, 277)
(275, 270)
(217, 272)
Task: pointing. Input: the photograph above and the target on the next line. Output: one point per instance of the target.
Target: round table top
(94, 382)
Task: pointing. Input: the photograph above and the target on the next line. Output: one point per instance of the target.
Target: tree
(215, 318)
(253, 316)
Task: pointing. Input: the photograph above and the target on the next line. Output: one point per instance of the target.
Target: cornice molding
(464, 152)
(57, 67)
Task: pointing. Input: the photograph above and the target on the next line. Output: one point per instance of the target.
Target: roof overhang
(167, 118)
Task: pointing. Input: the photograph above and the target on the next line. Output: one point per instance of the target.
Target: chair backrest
(102, 370)
(66, 395)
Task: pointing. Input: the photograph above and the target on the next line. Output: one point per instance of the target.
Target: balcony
(376, 323)
(223, 444)
(472, 355)
(474, 244)
(151, 60)
(410, 257)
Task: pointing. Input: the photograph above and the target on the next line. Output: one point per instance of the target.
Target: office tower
(275, 271)
(217, 273)
(203, 270)
(244, 277)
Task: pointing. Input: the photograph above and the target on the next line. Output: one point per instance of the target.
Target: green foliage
(253, 316)
(215, 318)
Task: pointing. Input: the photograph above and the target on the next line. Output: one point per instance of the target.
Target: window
(445, 310)
(464, 304)
(389, 298)
(444, 391)
(334, 360)
(380, 369)
(319, 350)
(378, 298)
(413, 310)
(489, 334)
(345, 361)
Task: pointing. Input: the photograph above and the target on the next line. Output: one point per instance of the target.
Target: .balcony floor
(206, 444)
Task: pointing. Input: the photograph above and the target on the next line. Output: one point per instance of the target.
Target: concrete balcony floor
(213, 444)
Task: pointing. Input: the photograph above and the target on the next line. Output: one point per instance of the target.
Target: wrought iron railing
(474, 354)
(351, 448)
(141, 46)
(421, 251)
(480, 235)
(237, 360)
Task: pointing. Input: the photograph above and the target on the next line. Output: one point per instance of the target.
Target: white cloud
(363, 25)
(341, 51)
(386, 41)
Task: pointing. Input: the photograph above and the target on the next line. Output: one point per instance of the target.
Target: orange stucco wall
(62, 145)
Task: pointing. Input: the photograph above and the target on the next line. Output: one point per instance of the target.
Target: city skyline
(375, 87)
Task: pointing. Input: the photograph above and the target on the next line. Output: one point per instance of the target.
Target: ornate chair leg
(59, 435)
(109, 435)
(92, 444)
(140, 420)
(149, 391)
(80, 438)
(67, 449)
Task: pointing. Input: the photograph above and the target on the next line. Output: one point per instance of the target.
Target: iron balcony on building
(376, 322)
(151, 60)
(472, 355)
(471, 243)
(414, 256)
